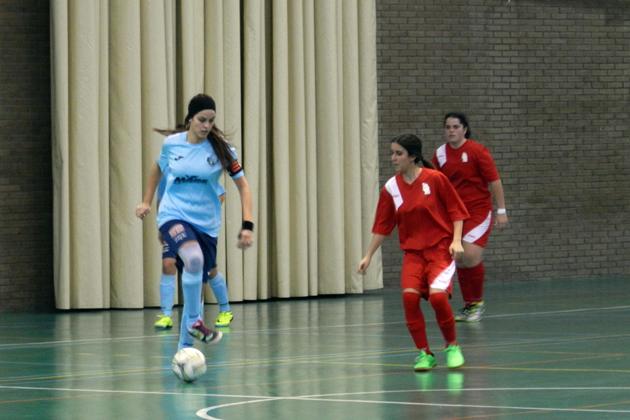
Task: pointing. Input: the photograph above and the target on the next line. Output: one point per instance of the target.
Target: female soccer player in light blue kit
(168, 279)
(189, 215)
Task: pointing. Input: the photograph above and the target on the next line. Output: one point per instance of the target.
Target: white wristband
(501, 211)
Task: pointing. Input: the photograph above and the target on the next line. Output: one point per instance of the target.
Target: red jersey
(424, 210)
(470, 168)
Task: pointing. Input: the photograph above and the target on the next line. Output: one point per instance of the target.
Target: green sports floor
(544, 350)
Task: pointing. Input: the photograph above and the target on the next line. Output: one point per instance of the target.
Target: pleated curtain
(295, 87)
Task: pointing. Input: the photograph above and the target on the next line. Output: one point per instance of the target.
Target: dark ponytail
(221, 147)
(413, 145)
(216, 137)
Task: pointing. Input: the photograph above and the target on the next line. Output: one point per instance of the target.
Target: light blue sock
(220, 292)
(167, 293)
(191, 286)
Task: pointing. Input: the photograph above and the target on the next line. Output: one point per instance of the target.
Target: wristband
(247, 225)
(501, 211)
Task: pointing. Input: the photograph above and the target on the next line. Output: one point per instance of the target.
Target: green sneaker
(425, 361)
(223, 319)
(454, 356)
(163, 322)
(472, 312)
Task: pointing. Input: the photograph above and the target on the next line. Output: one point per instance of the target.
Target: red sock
(415, 320)
(471, 282)
(475, 277)
(464, 285)
(444, 316)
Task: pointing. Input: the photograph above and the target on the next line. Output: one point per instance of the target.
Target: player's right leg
(168, 280)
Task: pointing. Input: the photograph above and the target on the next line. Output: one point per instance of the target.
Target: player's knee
(195, 264)
(411, 298)
(169, 266)
(213, 273)
(473, 255)
(192, 257)
(437, 296)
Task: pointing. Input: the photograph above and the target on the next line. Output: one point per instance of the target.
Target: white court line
(203, 413)
(129, 392)
(308, 327)
(563, 311)
(326, 397)
(12, 346)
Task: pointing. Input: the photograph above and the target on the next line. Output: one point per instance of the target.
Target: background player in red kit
(429, 215)
(471, 169)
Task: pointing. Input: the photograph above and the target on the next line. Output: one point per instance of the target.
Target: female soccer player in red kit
(471, 169)
(429, 215)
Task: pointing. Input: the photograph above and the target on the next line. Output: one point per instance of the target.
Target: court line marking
(308, 327)
(203, 413)
(128, 392)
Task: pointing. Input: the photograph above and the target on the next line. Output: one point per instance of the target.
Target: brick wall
(546, 86)
(26, 276)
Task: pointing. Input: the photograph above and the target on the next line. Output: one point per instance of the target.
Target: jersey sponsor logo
(426, 189)
(212, 161)
(190, 179)
(176, 158)
(465, 157)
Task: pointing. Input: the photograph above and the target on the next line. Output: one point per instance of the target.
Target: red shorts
(433, 267)
(477, 228)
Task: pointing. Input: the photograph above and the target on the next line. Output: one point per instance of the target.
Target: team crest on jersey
(426, 189)
(212, 161)
(465, 157)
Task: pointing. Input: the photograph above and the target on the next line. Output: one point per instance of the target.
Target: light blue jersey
(192, 186)
(161, 186)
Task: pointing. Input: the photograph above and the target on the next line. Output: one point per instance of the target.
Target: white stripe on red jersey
(479, 230)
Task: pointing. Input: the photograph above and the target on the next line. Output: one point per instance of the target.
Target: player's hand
(245, 239)
(363, 265)
(501, 221)
(457, 250)
(142, 210)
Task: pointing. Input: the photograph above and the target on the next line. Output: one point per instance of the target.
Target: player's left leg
(168, 280)
(471, 275)
(470, 270)
(440, 271)
(219, 287)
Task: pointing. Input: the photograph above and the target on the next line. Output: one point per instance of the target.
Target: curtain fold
(158, 110)
(295, 87)
(125, 122)
(255, 151)
(81, 154)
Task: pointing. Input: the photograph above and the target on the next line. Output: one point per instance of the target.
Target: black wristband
(247, 225)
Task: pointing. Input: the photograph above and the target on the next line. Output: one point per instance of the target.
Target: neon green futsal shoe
(224, 319)
(163, 322)
(425, 361)
(454, 356)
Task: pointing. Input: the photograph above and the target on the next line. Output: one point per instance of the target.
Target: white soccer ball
(188, 364)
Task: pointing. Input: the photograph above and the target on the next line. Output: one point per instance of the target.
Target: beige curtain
(295, 86)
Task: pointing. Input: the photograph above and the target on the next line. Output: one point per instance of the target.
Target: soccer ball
(188, 364)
